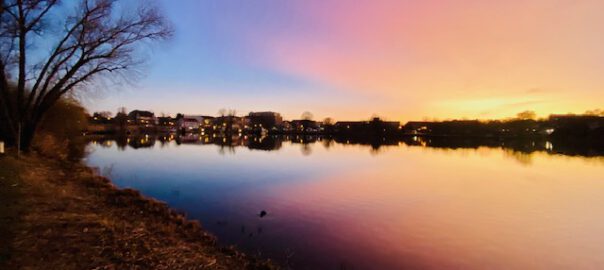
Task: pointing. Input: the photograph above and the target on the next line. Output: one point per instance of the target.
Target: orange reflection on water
(470, 209)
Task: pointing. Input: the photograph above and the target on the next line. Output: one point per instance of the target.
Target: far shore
(58, 215)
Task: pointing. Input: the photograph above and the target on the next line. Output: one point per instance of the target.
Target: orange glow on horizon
(400, 60)
(442, 59)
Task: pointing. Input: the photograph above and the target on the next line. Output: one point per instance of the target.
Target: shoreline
(64, 215)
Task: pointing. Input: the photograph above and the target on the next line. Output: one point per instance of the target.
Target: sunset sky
(402, 60)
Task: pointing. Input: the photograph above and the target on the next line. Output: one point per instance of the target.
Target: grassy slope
(60, 217)
(10, 209)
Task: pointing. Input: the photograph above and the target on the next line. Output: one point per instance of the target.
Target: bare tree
(526, 115)
(94, 41)
(307, 115)
(232, 112)
(121, 120)
(595, 112)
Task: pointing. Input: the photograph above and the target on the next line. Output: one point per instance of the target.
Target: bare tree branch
(95, 42)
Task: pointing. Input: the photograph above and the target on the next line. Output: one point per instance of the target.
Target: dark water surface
(348, 206)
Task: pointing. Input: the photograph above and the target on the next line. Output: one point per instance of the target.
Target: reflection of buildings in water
(190, 138)
(549, 146)
(274, 142)
(419, 141)
(123, 141)
(306, 149)
(523, 145)
(166, 139)
(222, 150)
(521, 157)
(328, 143)
(267, 143)
(142, 142)
(303, 139)
(102, 143)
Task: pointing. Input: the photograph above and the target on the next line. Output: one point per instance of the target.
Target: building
(206, 122)
(191, 122)
(167, 124)
(286, 126)
(230, 124)
(267, 120)
(417, 127)
(188, 124)
(374, 127)
(100, 118)
(166, 121)
(304, 126)
(145, 118)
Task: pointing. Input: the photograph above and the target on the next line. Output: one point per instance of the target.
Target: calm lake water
(345, 206)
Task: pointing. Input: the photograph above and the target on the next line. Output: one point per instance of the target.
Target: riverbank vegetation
(61, 215)
(57, 213)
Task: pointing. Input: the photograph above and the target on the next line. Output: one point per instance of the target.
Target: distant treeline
(556, 126)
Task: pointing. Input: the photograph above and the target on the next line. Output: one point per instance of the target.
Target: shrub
(59, 133)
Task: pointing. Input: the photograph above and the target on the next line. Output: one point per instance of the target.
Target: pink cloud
(419, 53)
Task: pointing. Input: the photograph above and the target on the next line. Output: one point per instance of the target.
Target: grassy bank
(10, 208)
(62, 216)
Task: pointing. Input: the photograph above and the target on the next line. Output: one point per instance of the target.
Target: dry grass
(10, 208)
(72, 219)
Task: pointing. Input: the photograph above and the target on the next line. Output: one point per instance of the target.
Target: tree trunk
(23, 134)
(28, 132)
(8, 137)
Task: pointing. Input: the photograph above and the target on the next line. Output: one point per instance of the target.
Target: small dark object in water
(263, 213)
(221, 223)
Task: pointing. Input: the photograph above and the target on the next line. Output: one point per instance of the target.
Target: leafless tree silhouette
(307, 115)
(94, 41)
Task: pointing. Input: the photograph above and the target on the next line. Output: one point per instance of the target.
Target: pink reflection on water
(463, 209)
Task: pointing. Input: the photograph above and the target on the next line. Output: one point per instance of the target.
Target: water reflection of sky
(411, 207)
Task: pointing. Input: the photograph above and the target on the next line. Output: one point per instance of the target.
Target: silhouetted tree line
(558, 126)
